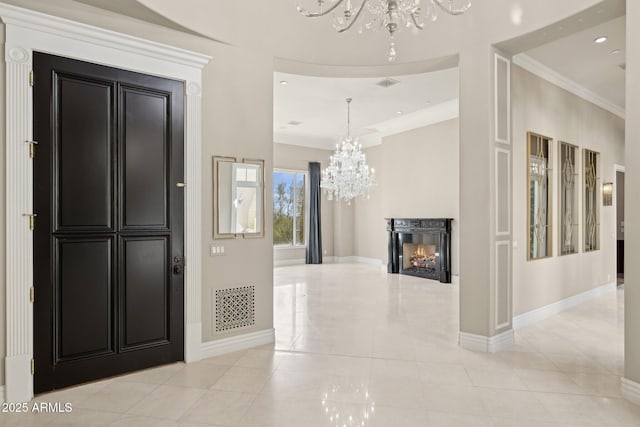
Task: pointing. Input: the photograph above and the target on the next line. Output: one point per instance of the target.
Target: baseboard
(193, 342)
(333, 260)
(18, 382)
(287, 262)
(237, 343)
(370, 261)
(484, 344)
(631, 390)
(356, 260)
(542, 313)
(343, 259)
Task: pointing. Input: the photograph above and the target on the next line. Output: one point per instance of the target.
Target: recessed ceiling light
(615, 51)
(398, 112)
(600, 39)
(428, 102)
(284, 82)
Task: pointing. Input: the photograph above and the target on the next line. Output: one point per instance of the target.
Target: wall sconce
(607, 194)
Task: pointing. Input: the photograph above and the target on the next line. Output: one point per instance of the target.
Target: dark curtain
(314, 242)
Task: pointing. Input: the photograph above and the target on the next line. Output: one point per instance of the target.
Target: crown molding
(425, 117)
(54, 25)
(546, 73)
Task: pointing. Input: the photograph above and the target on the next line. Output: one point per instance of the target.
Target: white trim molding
(497, 181)
(237, 343)
(484, 344)
(332, 260)
(630, 390)
(27, 31)
(2, 398)
(507, 87)
(546, 73)
(497, 295)
(534, 316)
(296, 261)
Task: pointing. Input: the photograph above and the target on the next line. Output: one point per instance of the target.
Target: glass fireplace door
(420, 254)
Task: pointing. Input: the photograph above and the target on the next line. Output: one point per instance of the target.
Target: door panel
(110, 221)
(146, 291)
(84, 156)
(84, 295)
(145, 158)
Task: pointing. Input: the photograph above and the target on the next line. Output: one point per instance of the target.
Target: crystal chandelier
(347, 175)
(392, 15)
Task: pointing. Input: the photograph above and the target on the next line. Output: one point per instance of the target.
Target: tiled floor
(356, 348)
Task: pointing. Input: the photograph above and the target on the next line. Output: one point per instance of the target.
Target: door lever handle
(180, 184)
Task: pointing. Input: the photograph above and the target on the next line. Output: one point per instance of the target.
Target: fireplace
(420, 247)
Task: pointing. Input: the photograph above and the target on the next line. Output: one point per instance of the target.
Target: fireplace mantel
(429, 238)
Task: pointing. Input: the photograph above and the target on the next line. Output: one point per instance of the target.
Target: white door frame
(28, 31)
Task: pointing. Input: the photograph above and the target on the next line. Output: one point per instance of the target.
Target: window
(289, 208)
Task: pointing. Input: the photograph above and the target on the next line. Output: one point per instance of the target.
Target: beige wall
(370, 237)
(632, 198)
(418, 177)
(3, 233)
(293, 157)
(543, 108)
(237, 121)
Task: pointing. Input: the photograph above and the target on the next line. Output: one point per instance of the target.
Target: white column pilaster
(193, 217)
(19, 241)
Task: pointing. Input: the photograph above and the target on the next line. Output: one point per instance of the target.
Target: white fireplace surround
(28, 31)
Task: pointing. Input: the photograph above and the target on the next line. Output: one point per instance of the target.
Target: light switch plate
(215, 250)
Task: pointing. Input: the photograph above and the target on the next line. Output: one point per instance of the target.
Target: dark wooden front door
(108, 238)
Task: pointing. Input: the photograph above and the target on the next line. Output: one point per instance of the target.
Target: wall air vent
(235, 308)
(388, 82)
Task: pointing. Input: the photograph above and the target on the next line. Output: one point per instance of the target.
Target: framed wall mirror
(568, 156)
(238, 198)
(539, 196)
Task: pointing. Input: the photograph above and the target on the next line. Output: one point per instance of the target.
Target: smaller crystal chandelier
(347, 175)
(392, 15)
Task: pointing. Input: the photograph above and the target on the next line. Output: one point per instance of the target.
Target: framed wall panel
(568, 179)
(502, 99)
(503, 192)
(591, 205)
(539, 221)
(503, 284)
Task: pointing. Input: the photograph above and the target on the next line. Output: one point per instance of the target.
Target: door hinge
(33, 367)
(32, 295)
(32, 220)
(32, 148)
(31, 78)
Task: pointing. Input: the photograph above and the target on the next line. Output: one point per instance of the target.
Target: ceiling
(593, 66)
(564, 46)
(578, 64)
(311, 111)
